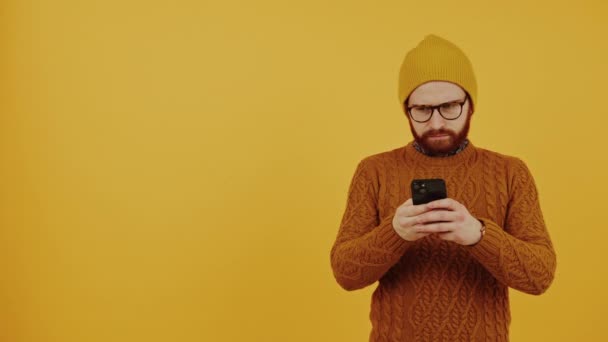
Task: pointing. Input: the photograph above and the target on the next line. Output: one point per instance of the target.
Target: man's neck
(459, 149)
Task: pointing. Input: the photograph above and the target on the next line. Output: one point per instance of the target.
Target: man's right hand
(405, 220)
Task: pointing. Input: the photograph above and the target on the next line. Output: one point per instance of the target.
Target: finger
(414, 210)
(405, 222)
(446, 203)
(438, 215)
(404, 205)
(408, 209)
(438, 227)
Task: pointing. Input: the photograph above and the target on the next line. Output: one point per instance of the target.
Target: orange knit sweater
(435, 290)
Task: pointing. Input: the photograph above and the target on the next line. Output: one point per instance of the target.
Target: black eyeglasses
(448, 110)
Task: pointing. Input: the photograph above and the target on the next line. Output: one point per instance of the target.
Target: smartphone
(428, 190)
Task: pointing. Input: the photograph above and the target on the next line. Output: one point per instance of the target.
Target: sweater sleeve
(521, 255)
(366, 246)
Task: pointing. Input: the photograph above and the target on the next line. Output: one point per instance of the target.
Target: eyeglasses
(448, 110)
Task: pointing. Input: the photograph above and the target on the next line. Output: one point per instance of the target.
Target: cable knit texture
(435, 290)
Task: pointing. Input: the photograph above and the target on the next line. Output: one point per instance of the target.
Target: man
(444, 267)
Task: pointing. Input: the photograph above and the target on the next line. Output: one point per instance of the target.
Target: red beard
(438, 147)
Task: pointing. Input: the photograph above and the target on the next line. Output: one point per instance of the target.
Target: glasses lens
(450, 110)
(420, 113)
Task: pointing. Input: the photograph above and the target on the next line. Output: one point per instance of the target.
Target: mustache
(438, 132)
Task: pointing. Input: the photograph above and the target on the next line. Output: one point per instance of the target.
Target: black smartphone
(428, 190)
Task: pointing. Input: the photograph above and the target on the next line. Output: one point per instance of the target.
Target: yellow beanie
(436, 59)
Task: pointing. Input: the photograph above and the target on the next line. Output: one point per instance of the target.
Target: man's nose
(436, 121)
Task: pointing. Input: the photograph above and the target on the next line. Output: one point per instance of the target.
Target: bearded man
(444, 267)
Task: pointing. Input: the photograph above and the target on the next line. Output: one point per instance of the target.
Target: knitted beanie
(436, 59)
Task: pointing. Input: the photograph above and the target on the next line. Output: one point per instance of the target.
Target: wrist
(482, 232)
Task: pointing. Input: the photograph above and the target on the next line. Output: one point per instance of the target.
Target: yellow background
(177, 170)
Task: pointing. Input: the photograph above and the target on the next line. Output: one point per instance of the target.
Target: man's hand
(451, 221)
(405, 220)
(447, 218)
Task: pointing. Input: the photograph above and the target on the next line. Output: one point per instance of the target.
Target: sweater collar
(467, 152)
(456, 151)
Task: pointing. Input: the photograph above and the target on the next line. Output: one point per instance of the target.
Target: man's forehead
(435, 92)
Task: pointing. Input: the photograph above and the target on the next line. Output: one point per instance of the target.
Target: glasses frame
(438, 107)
